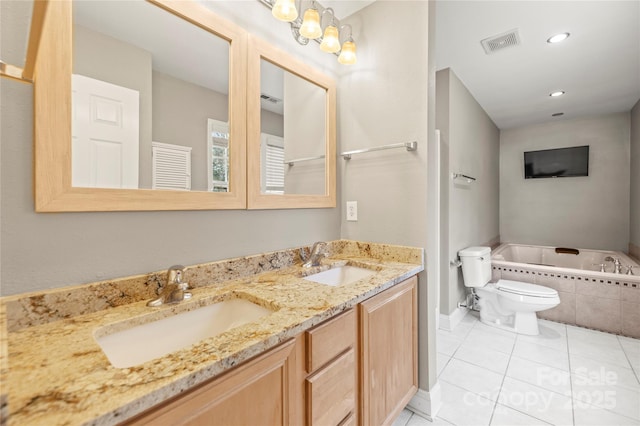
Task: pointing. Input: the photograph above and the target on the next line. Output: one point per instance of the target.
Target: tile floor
(565, 376)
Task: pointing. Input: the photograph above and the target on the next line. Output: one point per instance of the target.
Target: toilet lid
(525, 289)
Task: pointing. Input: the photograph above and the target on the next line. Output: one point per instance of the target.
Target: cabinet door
(389, 352)
(256, 393)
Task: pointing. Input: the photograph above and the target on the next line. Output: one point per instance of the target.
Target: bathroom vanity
(325, 354)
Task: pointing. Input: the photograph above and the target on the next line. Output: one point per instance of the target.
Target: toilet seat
(525, 289)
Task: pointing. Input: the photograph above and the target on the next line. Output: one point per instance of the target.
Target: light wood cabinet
(388, 353)
(331, 392)
(259, 392)
(331, 386)
(359, 367)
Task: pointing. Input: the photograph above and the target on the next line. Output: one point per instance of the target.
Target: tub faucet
(617, 266)
(315, 255)
(175, 290)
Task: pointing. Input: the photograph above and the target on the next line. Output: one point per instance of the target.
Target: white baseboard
(449, 322)
(427, 404)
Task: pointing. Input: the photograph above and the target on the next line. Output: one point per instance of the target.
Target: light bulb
(285, 10)
(311, 24)
(348, 53)
(330, 42)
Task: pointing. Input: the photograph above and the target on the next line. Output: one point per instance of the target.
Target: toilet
(506, 304)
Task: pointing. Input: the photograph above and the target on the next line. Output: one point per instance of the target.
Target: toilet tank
(476, 266)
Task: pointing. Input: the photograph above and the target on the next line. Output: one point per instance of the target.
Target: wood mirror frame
(52, 122)
(259, 50)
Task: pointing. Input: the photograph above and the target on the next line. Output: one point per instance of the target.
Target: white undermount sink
(340, 276)
(141, 343)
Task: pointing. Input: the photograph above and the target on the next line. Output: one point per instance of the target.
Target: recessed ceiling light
(558, 38)
(556, 94)
(557, 114)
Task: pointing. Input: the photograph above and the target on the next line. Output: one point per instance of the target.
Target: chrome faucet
(315, 255)
(617, 266)
(175, 290)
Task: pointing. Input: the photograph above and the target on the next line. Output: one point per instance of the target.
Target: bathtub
(588, 297)
(586, 260)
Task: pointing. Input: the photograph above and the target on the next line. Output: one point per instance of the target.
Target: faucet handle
(175, 274)
(601, 265)
(630, 269)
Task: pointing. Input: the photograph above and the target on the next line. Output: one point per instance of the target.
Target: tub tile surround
(589, 299)
(75, 383)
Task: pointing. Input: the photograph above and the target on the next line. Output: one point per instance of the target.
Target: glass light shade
(311, 24)
(348, 53)
(285, 10)
(330, 42)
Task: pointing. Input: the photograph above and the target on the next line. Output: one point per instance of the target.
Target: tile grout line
(504, 376)
(626, 355)
(573, 406)
(518, 380)
(567, 353)
(578, 401)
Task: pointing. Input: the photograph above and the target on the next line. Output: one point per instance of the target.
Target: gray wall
(180, 113)
(108, 59)
(271, 123)
(471, 143)
(41, 251)
(377, 107)
(305, 135)
(584, 212)
(634, 225)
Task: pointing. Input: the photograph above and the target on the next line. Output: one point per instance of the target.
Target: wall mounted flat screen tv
(560, 162)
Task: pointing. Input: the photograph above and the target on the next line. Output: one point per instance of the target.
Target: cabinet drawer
(331, 392)
(330, 339)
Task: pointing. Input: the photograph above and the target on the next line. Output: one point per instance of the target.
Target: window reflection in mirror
(150, 100)
(293, 133)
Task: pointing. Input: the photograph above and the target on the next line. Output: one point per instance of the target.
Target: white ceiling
(344, 8)
(177, 47)
(598, 66)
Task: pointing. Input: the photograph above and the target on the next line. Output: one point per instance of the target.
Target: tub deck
(589, 298)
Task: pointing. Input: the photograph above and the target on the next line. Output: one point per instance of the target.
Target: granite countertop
(54, 372)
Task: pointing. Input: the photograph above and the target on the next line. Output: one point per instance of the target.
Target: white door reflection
(105, 134)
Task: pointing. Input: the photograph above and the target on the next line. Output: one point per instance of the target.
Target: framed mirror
(139, 105)
(291, 132)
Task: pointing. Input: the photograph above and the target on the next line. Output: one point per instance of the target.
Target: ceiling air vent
(271, 99)
(501, 41)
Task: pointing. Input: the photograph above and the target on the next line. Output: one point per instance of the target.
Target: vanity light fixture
(557, 93)
(348, 51)
(285, 10)
(310, 27)
(558, 38)
(311, 23)
(331, 38)
(557, 114)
